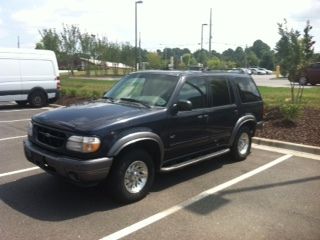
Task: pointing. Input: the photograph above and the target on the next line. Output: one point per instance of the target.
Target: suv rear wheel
(242, 144)
(132, 176)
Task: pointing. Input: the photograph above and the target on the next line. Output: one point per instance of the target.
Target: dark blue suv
(149, 121)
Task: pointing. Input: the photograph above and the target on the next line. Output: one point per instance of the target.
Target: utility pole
(136, 32)
(18, 41)
(202, 25)
(139, 55)
(210, 31)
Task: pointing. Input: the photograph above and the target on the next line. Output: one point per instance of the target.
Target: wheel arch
(148, 141)
(247, 120)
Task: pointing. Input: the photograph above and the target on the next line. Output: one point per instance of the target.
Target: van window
(36, 67)
(248, 90)
(220, 92)
(9, 67)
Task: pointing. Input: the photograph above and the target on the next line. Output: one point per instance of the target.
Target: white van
(28, 75)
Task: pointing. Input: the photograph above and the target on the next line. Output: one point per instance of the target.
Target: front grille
(50, 137)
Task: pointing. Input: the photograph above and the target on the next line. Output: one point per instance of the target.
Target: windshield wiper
(108, 98)
(135, 101)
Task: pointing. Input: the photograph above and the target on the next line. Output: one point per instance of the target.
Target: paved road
(217, 199)
(272, 81)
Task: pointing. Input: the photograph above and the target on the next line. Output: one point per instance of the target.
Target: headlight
(83, 144)
(30, 129)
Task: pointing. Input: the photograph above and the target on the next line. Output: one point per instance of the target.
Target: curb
(287, 145)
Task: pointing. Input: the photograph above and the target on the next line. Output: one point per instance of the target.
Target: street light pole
(136, 33)
(204, 24)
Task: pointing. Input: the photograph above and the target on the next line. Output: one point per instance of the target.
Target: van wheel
(132, 176)
(21, 103)
(241, 145)
(37, 99)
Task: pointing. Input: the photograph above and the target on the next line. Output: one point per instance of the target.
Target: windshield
(148, 88)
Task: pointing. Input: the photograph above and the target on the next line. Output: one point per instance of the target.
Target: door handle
(200, 116)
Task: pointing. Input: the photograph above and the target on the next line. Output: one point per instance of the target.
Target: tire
(37, 99)
(125, 173)
(239, 151)
(22, 103)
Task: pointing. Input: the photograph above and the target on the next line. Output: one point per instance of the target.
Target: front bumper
(92, 170)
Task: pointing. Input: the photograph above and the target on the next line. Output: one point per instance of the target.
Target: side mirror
(184, 105)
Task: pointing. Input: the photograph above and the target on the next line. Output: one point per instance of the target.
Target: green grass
(274, 97)
(85, 88)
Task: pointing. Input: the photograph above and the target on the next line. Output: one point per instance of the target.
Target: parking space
(216, 199)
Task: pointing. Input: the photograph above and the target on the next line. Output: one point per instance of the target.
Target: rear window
(248, 90)
(220, 92)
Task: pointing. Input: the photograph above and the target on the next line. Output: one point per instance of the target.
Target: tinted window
(248, 90)
(220, 92)
(195, 91)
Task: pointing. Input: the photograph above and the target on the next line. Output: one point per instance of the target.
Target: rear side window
(220, 92)
(248, 90)
(195, 91)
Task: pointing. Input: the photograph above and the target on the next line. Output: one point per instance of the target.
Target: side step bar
(194, 160)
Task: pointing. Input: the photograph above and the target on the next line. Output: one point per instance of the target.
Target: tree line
(70, 45)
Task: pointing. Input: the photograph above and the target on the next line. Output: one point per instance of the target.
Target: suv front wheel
(132, 176)
(241, 145)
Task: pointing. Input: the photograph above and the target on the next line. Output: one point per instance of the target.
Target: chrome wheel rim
(136, 177)
(243, 143)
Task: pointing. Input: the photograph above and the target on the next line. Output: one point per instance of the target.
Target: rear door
(223, 112)
(38, 73)
(10, 81)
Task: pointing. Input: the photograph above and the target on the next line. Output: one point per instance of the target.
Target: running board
(194, 160)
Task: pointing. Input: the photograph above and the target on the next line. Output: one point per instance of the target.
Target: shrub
(290, 111)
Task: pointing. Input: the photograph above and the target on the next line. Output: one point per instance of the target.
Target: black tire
(243, 137)
(119, 187)
(37, 99)
(22, 103)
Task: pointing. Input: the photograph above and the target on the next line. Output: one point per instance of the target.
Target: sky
(162, 23)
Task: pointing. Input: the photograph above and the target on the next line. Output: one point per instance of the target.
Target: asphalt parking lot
(270, 195)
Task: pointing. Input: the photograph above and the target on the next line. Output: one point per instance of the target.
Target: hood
(90, 116)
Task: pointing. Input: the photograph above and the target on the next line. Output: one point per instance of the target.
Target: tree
(154, 60)
(228, 55)
(260, 48)
(267, 60)
(186, 59)
(239, 57)
(307, 44)
(294, 54)
(252, 59)
(49, 40)
(69, 43)
(283, 48)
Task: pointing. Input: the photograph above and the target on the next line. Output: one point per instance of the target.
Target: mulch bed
(306, 129)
